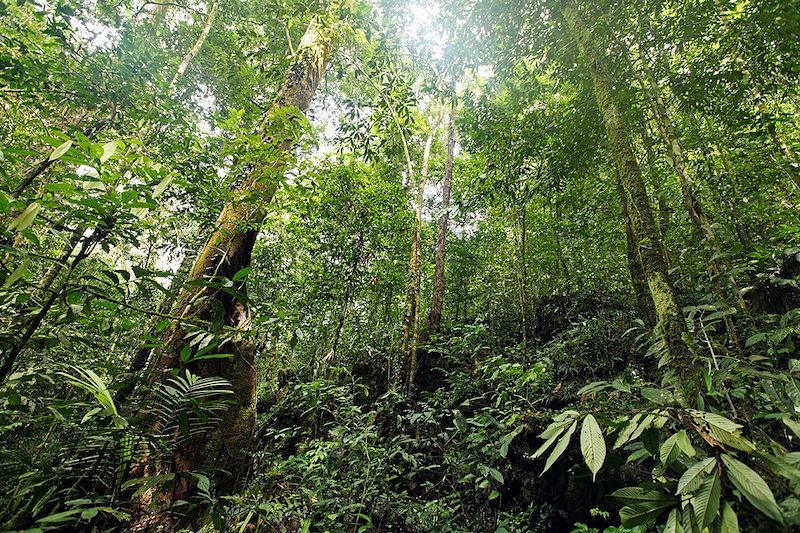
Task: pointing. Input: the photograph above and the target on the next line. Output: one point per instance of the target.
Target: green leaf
(18, 273)
(60, 517)
(669, 450)
(108, 150)
(729, 522)
(593, 445)
(496, 475)
(673, 524)
(554, 430)
(791, 424)
(560, 447)
(706, 503)
(626, 433)
(724, 430)
(162, 186)
(753, 487)
(641, 513)
(658, 396)
(685, 444)
(61, 150)
(691, 479)
(240, 275)
(630, 495)
(26, 218)
(506, 440)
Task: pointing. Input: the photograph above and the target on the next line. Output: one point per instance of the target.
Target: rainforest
(385, 265)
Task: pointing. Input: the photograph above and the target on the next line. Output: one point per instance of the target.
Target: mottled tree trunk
(228, 251)
(437, 298)
(722, 285)
(644, 302)
(671, 323)
(411, 331)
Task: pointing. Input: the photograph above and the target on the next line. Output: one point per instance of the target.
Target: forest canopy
(381, 265)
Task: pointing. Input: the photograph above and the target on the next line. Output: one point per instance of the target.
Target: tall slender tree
(671, 324)
(437, 298)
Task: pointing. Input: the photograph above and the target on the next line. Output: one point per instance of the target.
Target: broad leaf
(560, 447)
(753, 487)
(61, 150)
(691, 479)
(640, 513)
(593, 445)
(729, 522)
(706, 503)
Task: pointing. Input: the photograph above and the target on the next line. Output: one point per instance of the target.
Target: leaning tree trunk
(437, 298)
(722, 284)
(724, 194)
(671, 324)
(227, 252)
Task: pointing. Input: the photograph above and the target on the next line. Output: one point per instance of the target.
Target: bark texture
(437, 298)
(411, 331)
(722, 285)
(671, 324)
(226, 252)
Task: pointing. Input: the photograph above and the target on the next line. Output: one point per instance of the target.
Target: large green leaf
(560, 447)
(691, 479)
(753, 487)
(630, 495)
(683, 442)
(26, 218)
(729, 522)
(669, 450)
(593, 445)
(706, 502)
(60, 150)
(640, 513)
(673, 524)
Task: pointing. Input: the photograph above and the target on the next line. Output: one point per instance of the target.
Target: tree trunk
(411, 332)
(671, 323)
(437, 298)
(198, 44)
(348, 290)
(742, 233)
(523, 272)
(716, 269)
(227, 252)
(644, 302)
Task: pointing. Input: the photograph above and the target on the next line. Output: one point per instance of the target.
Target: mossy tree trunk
(226, 253)
(644, 302)
(649, 249)
(722, 285)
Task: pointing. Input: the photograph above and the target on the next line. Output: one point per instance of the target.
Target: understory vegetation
(377, 265)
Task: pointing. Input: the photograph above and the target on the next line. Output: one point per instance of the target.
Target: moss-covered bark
(671, 324)
(226, 252)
